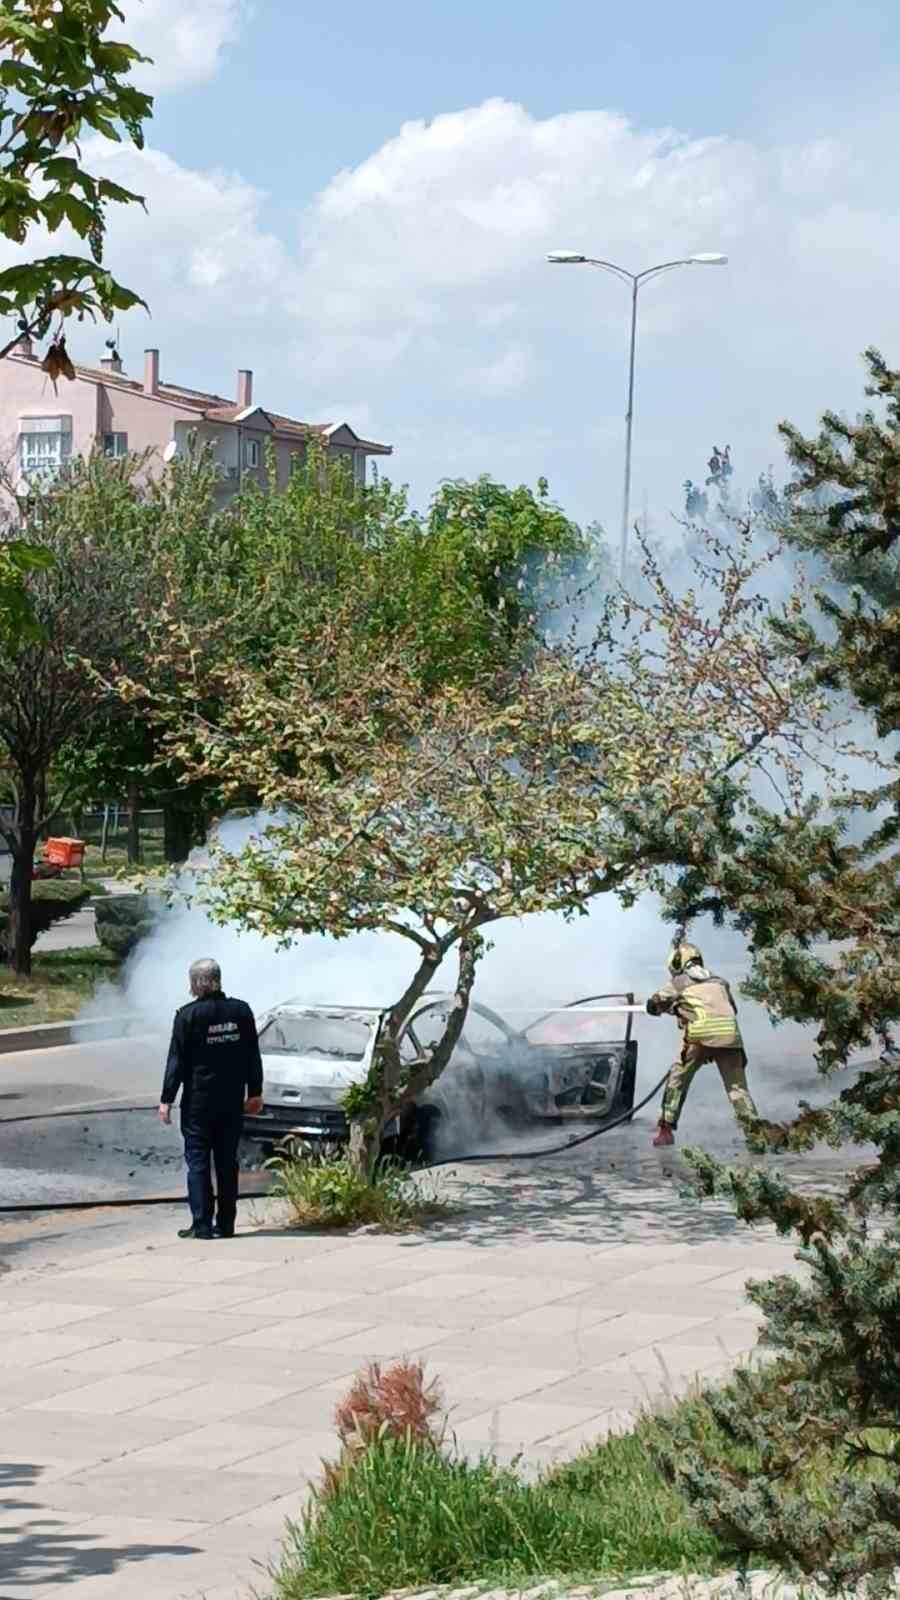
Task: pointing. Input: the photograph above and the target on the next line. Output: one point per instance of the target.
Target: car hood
(329, 1079)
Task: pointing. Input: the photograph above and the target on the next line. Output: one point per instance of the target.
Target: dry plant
(395, 1402)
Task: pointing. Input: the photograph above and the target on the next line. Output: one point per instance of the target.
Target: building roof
(216, 408)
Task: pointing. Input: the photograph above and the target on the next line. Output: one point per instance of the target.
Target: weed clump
(324, 1190)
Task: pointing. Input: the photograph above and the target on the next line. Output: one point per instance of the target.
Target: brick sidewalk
(166, 1403)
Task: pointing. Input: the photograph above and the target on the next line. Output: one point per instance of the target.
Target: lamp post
(572, 258)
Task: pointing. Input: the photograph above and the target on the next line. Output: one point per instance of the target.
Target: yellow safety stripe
(715, 1034)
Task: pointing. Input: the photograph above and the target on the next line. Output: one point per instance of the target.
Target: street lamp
(573, 258)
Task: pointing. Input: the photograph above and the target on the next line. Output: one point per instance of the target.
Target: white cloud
(416, 283)
(184, 38)
(424, 268)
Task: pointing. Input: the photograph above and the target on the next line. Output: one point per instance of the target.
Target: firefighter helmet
(683, 955)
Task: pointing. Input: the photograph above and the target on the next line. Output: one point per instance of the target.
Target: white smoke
(534, 964)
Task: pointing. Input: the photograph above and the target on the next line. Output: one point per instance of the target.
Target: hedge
(124, 919)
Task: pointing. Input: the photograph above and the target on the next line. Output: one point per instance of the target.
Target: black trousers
(211, 1139)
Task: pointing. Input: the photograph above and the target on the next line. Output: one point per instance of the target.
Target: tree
(81, 597)
(465, 585)
(60, 76)
(571, 772)
(817, 895)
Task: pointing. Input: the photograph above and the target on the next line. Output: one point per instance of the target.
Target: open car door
(584, 1063)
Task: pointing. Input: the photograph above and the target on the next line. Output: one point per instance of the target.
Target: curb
(46, 1035)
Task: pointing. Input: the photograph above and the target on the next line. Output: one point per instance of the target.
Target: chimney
(112, 363)
(245, 389)
(23, 347)
(151, 372)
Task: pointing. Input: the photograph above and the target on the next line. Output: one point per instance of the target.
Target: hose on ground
(130, 1201)
(554, 1149)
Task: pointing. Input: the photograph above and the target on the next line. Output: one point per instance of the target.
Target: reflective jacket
(704, 1007)
(214, 1057)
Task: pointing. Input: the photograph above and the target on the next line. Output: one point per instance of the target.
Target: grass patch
(61, 983)
(323, 1190)
(404, 1515)
(401, 1509)
(152, 855)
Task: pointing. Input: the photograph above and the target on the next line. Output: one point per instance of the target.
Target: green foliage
(512, 552)
(52, 900)
(17, 559)
(123, 920)
(326, 1190)
(817, 896)
(465, 585)
(403, 1515)
(265, 571)
(62, 77)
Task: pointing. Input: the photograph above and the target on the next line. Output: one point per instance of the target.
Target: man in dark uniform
(214, 1060)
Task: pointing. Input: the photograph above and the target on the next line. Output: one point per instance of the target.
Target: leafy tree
(817, 895)
(569, 773)
(466, 585)
(81, 597)
(61, 76)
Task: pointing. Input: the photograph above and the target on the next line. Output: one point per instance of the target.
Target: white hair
(205, 977)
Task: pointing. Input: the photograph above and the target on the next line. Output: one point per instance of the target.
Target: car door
(587, 1062)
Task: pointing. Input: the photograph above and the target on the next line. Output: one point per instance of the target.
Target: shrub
(52, 900)
(123, 920)
(393, 1403)
(324, 1190)
(394, 1400)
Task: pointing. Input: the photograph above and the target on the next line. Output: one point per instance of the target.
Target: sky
(357, 202)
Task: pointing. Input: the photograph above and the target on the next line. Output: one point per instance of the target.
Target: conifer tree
(804, 1472)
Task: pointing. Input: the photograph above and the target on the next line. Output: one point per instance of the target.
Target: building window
(251, 452)
(45, 445)
(115, 445)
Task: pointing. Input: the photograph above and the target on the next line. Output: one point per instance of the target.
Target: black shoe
(193, 1232)
(223, 1233)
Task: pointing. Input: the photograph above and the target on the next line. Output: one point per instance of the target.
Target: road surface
(128, 1154)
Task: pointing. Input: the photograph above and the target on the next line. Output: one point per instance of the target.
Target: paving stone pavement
(166, 1404)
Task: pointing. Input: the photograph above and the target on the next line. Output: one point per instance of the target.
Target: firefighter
(214, 1060)
(707, 1016)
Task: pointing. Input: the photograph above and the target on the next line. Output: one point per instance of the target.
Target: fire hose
(129, 1201)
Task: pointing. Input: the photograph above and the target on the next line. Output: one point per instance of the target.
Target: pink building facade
(106, 409)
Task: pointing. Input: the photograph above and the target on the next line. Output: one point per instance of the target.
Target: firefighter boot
(664, 1136)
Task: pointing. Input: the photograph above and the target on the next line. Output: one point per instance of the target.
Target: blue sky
(356, 201)
(327, 85)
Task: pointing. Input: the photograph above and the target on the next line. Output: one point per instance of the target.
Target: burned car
(564, 1066)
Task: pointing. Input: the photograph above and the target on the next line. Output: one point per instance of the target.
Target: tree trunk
(386, 1098)
(18, 928)
(177, 831)
(365, 1144)
(134, 823)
